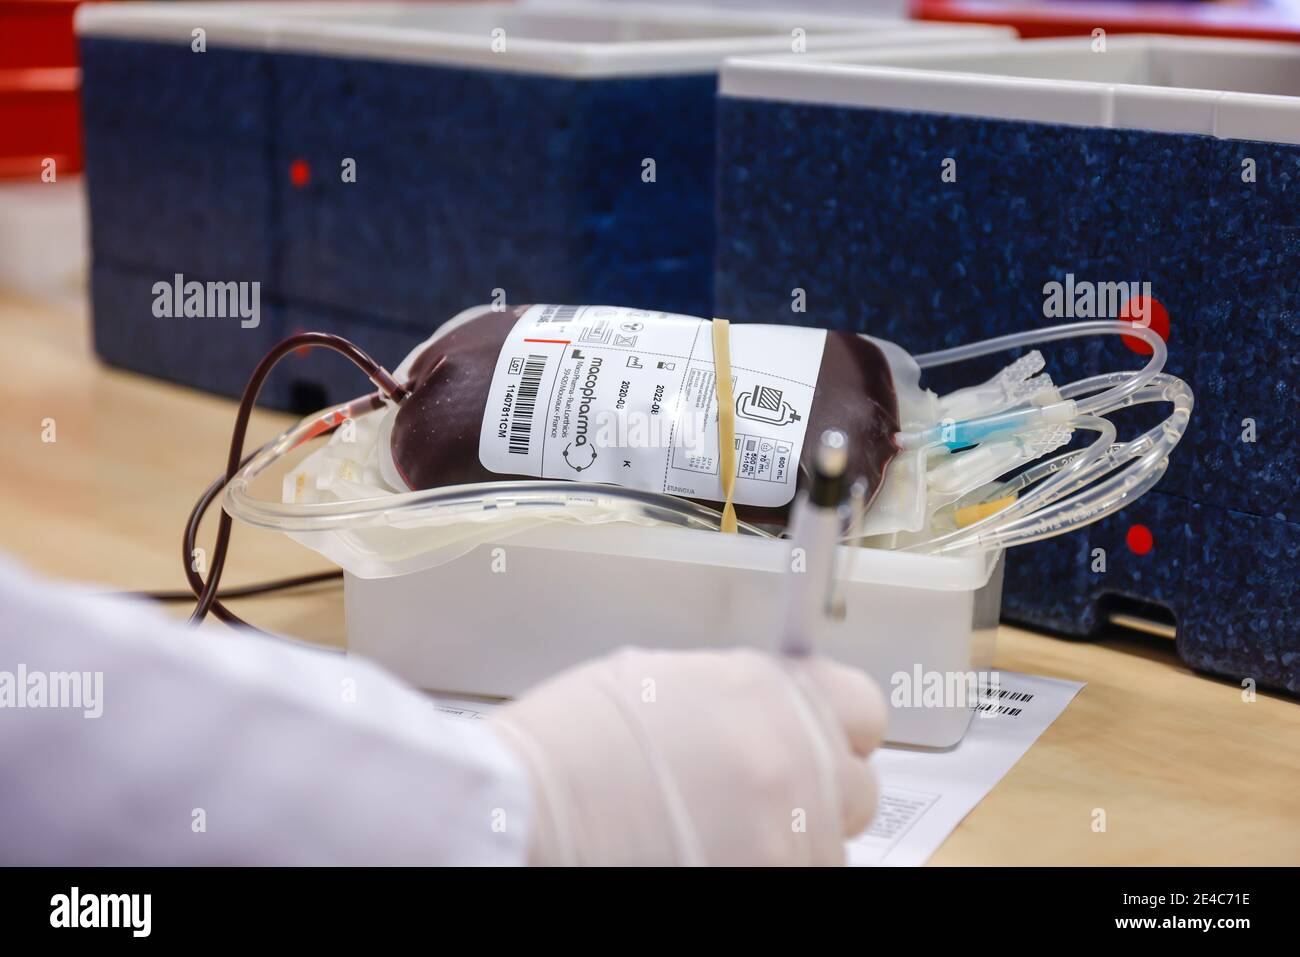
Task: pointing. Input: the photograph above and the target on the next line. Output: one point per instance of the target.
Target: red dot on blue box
(300, 173)
(1144, 310)
(1139, 539)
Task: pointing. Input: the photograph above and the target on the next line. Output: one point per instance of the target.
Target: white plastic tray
(505, 616)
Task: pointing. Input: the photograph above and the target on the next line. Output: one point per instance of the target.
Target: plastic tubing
(1165, 388)
(972, 430)
(1041, 495)
(1084, 508)
(446, 503)
(1096, 405)
(1090, 499)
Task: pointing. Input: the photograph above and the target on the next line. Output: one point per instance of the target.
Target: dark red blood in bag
(436, 434)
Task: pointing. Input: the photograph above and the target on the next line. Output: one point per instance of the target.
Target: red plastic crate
(40, 117)
(1253, 20)
(40, 82)
(37, 33)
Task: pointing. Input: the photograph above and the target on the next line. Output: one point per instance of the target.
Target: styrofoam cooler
(1135, 159)
(513, 612)
(501, 152)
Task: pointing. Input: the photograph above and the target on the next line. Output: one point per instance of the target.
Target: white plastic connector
(969, 470)
(1017, 384)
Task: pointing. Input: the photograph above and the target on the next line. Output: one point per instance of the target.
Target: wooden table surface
(1186, 771)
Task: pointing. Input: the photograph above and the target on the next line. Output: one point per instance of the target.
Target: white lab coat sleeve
(229, 747)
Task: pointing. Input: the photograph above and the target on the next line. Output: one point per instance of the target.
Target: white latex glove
(697, 758)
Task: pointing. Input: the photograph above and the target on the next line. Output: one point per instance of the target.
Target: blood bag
(628, 397)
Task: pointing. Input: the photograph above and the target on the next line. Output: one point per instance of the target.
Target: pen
(815, 532)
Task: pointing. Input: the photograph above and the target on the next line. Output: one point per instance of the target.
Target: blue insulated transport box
(375, 168)
(937, 197)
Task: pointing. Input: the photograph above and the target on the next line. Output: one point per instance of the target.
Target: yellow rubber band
(974, 513)
(726, 421)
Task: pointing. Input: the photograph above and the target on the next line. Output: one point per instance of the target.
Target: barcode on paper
(1004, 694)
(1009, 711)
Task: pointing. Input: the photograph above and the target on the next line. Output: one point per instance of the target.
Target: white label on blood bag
(626, 396)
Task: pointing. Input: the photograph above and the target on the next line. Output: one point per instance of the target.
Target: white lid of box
(1231, 89)
(562, 39)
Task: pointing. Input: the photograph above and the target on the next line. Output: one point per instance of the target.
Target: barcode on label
(999, 709)
(1005, 694)
(521, 416)
(558, 314)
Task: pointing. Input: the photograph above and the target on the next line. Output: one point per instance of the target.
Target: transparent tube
(1075, 490)
(1107, 400)
(1098, 404)
(1165, 388)
(1091, 505)
(443, 505)
(1039, 496)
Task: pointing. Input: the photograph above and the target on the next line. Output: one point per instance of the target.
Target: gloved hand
(697, 758)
